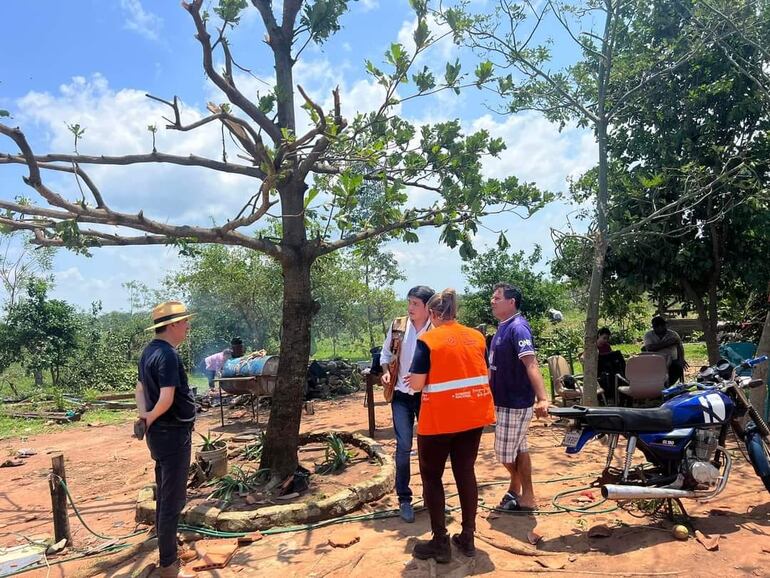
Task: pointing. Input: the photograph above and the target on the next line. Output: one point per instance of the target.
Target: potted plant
(212, 455)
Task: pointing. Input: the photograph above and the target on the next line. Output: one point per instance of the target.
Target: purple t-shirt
(509, 381)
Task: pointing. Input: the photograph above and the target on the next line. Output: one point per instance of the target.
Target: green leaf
(421, 34)
(230, 10)
(312, 194)
(266, 103)
(452, 72)
(502, 242)
(483, 72)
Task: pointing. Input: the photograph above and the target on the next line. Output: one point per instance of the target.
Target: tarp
(737, 352)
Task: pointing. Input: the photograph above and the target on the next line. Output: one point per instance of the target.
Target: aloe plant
(237, 481)
(210, 442)
(337, 455)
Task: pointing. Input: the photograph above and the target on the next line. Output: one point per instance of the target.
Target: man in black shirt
(166, 405)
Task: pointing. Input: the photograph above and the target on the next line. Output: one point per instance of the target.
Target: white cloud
(536, 150)
(141, 21)
(115, 123)
(368, 5)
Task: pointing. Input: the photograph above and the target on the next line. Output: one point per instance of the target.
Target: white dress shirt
(408, 346)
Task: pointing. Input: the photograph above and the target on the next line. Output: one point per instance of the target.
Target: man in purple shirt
(518, 390)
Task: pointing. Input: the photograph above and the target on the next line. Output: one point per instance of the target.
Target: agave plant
(337, 455)
(253, 451)
(238, 481)
(210, 442)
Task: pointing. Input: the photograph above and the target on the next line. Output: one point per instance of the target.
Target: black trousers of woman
(461, 448)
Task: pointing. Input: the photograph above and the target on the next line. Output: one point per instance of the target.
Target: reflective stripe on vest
(456, 396)
(457, 384)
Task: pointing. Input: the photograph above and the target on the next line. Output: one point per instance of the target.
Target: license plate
(571, 438)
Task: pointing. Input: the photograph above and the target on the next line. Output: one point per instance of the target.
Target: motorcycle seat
(619, 419)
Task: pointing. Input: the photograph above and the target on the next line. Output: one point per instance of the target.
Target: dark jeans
(405, 409)
(462, 448)
(210, 374)
(170, 448)
(675, 371)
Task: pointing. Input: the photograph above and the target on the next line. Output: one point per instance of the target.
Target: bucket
(214, 462)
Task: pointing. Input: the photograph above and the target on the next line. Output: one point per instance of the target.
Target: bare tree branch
(233, 94)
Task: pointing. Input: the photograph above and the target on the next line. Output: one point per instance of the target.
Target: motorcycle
(683, 440)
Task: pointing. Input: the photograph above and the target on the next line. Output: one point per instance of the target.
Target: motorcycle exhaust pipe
(618, 492)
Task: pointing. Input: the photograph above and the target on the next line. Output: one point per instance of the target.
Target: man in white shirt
(405, 404)
(668, 344)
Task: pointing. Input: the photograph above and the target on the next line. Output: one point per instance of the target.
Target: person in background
(518, 389)
(166, 405)
(213, 364)
(395, 359)
(450, 370)
(667, 343)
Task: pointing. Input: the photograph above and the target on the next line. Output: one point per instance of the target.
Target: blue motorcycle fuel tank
(699, 408)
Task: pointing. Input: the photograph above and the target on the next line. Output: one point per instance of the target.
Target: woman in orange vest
(450, 369)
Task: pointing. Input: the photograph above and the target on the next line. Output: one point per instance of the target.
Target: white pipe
(618, 492)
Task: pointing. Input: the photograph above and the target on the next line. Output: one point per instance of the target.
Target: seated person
(611, 363)
(667, 343)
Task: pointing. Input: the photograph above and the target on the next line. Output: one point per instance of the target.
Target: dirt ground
(106, 468)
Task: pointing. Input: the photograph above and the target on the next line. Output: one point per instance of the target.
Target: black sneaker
(509, 502)
(465, 544)
(437, 548)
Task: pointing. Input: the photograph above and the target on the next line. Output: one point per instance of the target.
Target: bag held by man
(397, 330)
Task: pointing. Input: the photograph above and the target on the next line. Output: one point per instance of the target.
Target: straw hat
(168, 313)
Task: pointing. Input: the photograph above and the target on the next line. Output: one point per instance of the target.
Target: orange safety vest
(456, 396)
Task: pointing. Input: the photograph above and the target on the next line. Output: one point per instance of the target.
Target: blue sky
(92, 61)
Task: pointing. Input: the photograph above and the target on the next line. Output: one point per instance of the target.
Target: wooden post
(370, 402)
(61, 524)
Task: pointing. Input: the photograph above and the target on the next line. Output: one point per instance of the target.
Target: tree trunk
(282, 438)
(368, 304)
(591, 356)
(707, 316)
(710, 334)
(759, 394)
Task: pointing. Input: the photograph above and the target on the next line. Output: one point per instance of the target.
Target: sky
(93, 61)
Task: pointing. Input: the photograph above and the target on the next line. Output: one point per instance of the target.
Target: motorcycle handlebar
(755, 361)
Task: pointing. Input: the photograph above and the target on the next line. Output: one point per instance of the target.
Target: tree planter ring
(262, 518)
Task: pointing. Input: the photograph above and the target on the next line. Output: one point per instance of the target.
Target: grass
(11, 427)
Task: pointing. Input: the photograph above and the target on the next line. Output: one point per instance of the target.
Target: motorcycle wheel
(759, 456)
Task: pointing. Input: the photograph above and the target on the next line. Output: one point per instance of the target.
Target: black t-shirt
(421, 358)
(160, 366)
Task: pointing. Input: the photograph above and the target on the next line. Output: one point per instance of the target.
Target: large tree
(615, 69)
(309, 177)
(707, 130)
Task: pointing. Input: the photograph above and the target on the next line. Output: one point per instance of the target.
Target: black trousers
(462, 449)
(170, 447)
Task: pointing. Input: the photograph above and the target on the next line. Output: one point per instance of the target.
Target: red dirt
(106, 468)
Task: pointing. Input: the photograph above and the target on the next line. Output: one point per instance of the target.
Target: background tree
(21, 262)
(291, 166)
(617, 69)
(39, 333)
(495, 265)
(707, 132)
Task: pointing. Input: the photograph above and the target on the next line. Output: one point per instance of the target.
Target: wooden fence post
(61, 524)
(370, 402)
